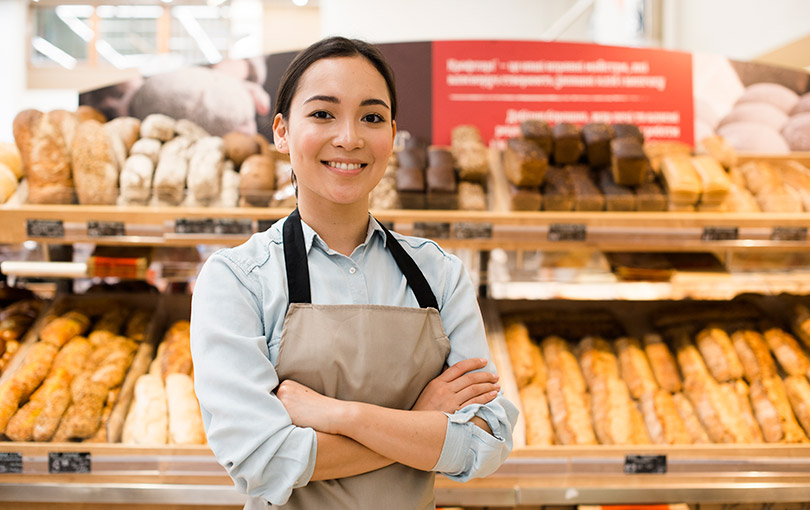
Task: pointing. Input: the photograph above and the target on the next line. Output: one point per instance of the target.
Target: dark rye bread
(617, 197)
(558, 190)
(524, 162)
(629, 163)
(597, 137)
(587, 196)
(539, 132)
(525, 199)
(568, 146)
(628, 131)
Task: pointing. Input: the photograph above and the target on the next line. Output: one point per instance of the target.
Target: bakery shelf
(626, 231)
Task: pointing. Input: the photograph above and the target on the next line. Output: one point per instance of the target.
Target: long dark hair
(332, 47)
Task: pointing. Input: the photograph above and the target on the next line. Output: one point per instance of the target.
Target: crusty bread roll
(148, 419)
(664, 423)
(127, 129)
(136, 178)
(719, 354)
(527, 360)
(754, 355)
(788, 351)
(240, 146)
(662, 363)
(85, 112)
(95, 165)
(189, 129)
(149, 147)
(257, 180)
(635, 368)
(559, 358)
(774, 414)
(205, 168)
(569, 412)
(169, 181)
(158, 126)
(10, 156)
(185, 421)
(539, 431)
(690, 419)
(597, 360)
(798, 392)
(610, 406)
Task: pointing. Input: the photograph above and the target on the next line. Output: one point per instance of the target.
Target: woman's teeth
(344, 166)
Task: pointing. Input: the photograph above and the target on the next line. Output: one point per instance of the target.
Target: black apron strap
(295, 259)
(416, 280)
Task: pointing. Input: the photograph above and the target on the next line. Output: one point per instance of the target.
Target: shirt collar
(310, 235)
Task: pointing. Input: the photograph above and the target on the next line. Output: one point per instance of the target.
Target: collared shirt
(238, 308)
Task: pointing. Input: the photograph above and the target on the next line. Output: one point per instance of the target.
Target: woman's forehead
(342, 77)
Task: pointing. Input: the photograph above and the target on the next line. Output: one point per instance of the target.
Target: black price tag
(193, 226)
(789, 234)
(105, 228)
(639, 464)
(68, 462)
(10, 463)
(567, 232)
(465, 230)
(431, 230)
(720, 234)
(233, 226)
(263, 225)
(44, 228)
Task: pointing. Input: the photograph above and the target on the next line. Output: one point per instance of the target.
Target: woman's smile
(347, 169)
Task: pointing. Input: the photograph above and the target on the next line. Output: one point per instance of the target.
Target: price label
(233, 226)
(567, 232)
(640, 464)
(193, 226)
(789, 234)
(68, 462)
(10, 462)
(431, 230)
(465, 230)
(105, 228)
(44, 228)
(720, 234)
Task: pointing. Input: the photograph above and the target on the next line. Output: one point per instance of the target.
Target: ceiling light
(53, 52)
(300, 3)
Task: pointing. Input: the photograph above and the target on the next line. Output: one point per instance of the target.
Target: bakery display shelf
(482, 230)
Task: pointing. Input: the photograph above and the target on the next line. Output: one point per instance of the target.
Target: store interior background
(776, 31)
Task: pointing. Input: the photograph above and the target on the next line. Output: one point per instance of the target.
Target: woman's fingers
(461, 368)
(476, 390)
(471, 378)
(480, 399)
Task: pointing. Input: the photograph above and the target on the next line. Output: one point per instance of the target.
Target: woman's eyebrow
(379, 102)
(333, 99)
(328, 99)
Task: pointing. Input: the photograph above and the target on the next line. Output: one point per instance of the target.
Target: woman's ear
(394, 130)
(280, 133)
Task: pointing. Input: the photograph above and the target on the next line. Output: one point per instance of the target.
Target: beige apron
(382, 355)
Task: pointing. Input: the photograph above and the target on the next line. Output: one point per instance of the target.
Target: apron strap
(295, 259)
(416, 280)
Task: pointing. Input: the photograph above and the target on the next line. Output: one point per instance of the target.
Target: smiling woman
(321, 346)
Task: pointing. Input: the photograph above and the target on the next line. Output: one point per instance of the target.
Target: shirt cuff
(306, 475)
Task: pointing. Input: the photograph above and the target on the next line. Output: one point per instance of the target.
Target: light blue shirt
(238, 308)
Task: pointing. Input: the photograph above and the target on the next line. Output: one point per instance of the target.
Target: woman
(363, 414)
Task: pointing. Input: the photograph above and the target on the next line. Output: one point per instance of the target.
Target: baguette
(560, 359)
(690, 361)
(527, 360)
(72, 356)
(716, 411)
(21, 425)
(639, 434)
(539, 431)
(63, 328)
(787, 350)
(801, 323)
(113, 320)
(739, 393)
(51, 416)
(635, 368)
(185, 421)
(690, 419)
(177, 356)
(662, 363)
(137, 324)
(773, 412)
(569, 412)
(147, 421)
(597, 360)
(35, 368)
(610, 407)
(798, 392)
(661, 416)
(719, 354)
(754, 355)
(83, 417)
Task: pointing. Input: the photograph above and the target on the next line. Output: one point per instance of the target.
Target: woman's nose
(348, 136)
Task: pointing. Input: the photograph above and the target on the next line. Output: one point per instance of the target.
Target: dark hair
(332, 47)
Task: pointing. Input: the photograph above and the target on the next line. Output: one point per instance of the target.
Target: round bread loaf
(126, 128)
(95, 166)
(753, 137)
(761, 113)
(22, 127)
(797, 132)
(8, 183)
(803, 105)
(85, 112)
(190, 130)
(158, 126)
(257, 180)
(773, 93)
(67, 123)
(239, 147)
(10, 156)
(49, 172)
(148, 147)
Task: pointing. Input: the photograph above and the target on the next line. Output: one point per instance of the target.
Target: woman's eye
(374, 118)
(320, 114)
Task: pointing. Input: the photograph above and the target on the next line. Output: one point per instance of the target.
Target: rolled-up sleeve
(469, 451)
(248, 428)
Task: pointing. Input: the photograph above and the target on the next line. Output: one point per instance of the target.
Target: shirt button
(352, 270)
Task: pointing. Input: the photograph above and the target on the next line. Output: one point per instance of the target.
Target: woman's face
(339, 133)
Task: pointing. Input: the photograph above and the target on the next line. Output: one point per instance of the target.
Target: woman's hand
(308, 408)
(458, 387)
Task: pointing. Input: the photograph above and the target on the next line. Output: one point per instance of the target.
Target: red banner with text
(495, 85)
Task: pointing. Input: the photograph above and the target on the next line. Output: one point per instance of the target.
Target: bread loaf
(95, 165)
(597, 360)
(63, 328)
(610, 404)
(568, 146)
(754, 355)
(798, 392)
(50, 180)
(471, 197)
(681, 180)
(587, 196)
(650, 196)
(185, 421)
(149, 147)
(72, 356)
(663, 421)
(719, 354)
(126, 129)
(662, 363)
(714, 181)
(621, 130)
(464, 133)
(148, 419)
(689, 360)
(169, 181)
(559, 358)
(205, 169)
(257, 180)
(597, 137)
(718, 148)
(539, 431)
(791, 357)
(527, 360)
(774, 414)
(229, 196)
(524, 163)
(136, 179)
(524, 199)
(472, 161)
(240, 146)
(739, 395)
(617, 197)
(740, 200)
(189, 129)
(158, 126)
(23, 127)
(569, 412)
(801, 323)
(177, 355)
(8, 183)
(690, 419)
(85, 112)
(22, 424)
(558, 190)
(538, 132)
(635, 368)
(628, 161)
(796, 178)
(717, 411)
(10, 157)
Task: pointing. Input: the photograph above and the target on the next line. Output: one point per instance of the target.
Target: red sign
(495, 85)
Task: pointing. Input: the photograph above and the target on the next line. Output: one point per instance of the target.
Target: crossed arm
(355, 437)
